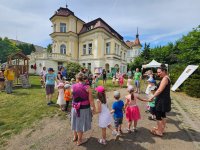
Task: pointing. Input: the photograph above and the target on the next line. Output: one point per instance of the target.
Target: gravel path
(55, 134)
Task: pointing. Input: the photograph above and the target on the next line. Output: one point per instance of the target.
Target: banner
(186, 73)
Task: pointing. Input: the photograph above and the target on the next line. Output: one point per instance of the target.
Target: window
(62, 27)
(115, 48)
(124, 56)
(121, 55)
(83, 64)
(63, 49)
(84, 49)
(108, 48)
(89, 66)
(54, 27)
(90, 48)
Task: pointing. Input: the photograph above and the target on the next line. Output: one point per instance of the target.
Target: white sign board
(186, 73)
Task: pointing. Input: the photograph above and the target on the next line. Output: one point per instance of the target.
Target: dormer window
(62, 27)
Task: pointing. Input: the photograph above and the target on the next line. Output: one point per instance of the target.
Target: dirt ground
(181, 134)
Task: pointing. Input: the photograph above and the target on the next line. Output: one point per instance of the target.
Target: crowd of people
(79, 93)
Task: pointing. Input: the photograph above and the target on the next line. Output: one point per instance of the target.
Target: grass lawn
(22, 108)
(25, 107)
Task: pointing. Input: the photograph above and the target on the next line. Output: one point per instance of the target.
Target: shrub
(72, 69)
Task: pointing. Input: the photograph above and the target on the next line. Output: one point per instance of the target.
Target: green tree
(27, 49)
(49, 48)
(6, 48)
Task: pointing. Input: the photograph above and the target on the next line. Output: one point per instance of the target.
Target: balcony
(112, 56)
(51, 56)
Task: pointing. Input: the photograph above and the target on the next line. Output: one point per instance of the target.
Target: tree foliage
(6, 48)
(26, 48)
(185, 51)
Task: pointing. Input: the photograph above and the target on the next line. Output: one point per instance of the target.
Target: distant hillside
(37, 48)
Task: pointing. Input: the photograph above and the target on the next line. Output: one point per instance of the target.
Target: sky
(158, 21)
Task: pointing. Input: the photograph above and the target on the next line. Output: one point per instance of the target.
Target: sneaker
(135, 130)
(128, 130)
(117, 137)
(114, 133)
(49, 103)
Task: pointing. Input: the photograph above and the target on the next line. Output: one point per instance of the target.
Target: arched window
(63, 49)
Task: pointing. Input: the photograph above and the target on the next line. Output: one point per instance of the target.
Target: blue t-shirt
(118, 107)
(50, 78)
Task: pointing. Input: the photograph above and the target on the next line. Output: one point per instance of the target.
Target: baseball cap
(116, 94)
(100, 89)
(50, 69)
(67, 86)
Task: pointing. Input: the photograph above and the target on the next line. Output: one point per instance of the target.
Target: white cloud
(157, 19)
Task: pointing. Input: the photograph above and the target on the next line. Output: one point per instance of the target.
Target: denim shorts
(118, 121)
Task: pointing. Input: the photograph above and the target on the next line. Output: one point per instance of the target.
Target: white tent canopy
(153, 64)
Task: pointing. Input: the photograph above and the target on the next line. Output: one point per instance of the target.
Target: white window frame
(63, 27)
(108, 47)
(62, 49)
(89, 48)
(84, 49)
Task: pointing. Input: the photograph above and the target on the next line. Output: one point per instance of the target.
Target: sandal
(78, 143)
(75, 139)
(102, 141)
(156, 133)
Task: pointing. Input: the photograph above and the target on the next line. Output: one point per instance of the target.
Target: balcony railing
(50, 56)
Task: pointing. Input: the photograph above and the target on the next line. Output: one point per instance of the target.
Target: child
(117, 110)
(104, 114)
(61, 100)
(129, 81)
(151, 104)
(121, 81)
(132, 110)
(73, 81)
(2, 81)
(67, 95)
(94, 82)
(113, 80)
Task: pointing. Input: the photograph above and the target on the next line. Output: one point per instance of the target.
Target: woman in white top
(105, 118)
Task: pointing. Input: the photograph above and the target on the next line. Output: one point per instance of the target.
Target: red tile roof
(64, 12)
(100, 23)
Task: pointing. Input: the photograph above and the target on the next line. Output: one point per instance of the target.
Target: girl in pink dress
(131, 108)
(121, 80)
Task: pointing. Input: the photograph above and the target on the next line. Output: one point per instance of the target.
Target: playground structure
(20, 63)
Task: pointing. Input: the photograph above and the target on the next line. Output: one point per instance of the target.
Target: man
(9, 75)
(50, 79)
(137, 78)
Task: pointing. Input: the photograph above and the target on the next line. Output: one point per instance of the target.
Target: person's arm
(126, 103)
(142, 99)
(162, 86)
(93, 108)
(98, 106)
(112, 111)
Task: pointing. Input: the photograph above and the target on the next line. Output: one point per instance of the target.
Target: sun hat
(72, 79)
(67, 86)
(130, 88)
(100, 89)
(60, 84)
(116, 94)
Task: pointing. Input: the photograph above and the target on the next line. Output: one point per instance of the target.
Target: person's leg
(104, 134)
(129, 125)
(11, 86)
(75, 136)
(135, 125)
(80, 138)
(138, 86)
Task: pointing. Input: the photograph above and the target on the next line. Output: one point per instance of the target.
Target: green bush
(72, 69)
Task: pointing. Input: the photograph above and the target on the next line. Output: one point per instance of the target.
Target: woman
(163, 103)
(104, 76)
(9, 75)
(82, 105)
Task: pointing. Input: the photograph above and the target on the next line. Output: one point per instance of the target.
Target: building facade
(135, 49)
(94, 44)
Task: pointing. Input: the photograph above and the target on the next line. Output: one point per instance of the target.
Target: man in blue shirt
(117, 110)
(50, 79)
